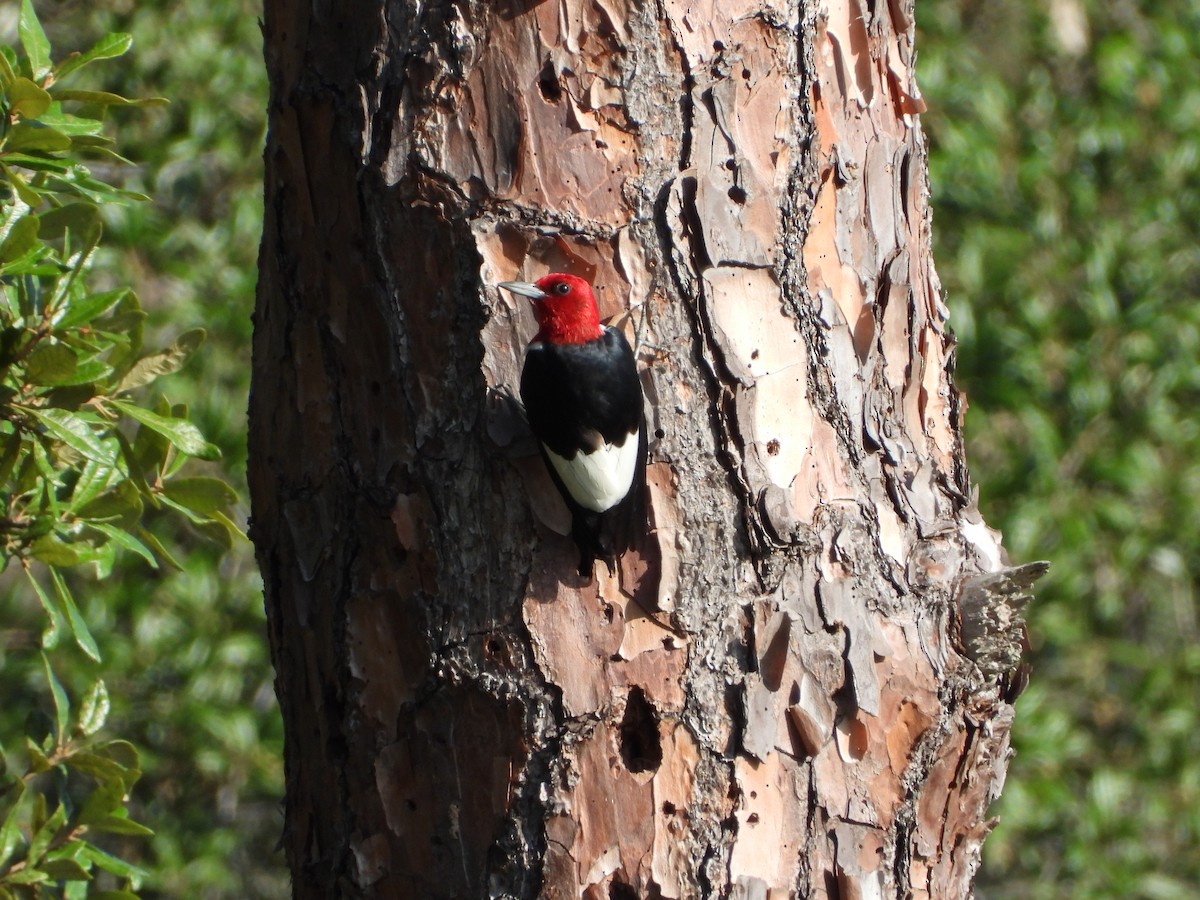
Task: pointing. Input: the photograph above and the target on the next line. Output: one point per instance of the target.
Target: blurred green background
(1065, 144)
(185, 655)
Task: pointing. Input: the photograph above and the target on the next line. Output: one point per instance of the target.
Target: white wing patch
(598, 480)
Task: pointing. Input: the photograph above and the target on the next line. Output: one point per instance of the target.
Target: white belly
(599, 480)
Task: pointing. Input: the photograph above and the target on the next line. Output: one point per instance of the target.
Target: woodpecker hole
(737, 195)
(659, 433)
(640, 747)
(548, 83)
(668, 808)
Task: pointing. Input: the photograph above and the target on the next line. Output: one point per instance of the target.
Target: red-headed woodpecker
(581, 391)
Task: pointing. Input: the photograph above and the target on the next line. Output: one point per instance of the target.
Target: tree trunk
(780, 696)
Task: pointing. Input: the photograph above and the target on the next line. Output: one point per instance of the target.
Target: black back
(576, 394)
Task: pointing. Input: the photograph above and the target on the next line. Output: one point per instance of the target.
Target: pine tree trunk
(802, 685)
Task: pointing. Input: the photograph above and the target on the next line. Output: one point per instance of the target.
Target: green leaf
(93, 712)
(126, 540)
(27, 876)
(83, 637)
(94, 480)
(132, 454)
(28, 195)
(57, 621)
(65, 870)
(51, 364)
(10, 832)
(119, 823)
(33, 40)
(236, 533)
(107, 796)
(12, 452)
(170, 360)
(122, 504)
(7, 73)
(180, 432)
(98, 766)
(74, 126)
(26, 99)
(125, 755)
(83, 310)
(200, 494)
(104, 98)
(52, 551)
(75, 432)
(38, 763)
(46, 834)
(62, 707)
(112, 864)
(36, 137)
(159, 549)
(22, 237)
(82, 220)
(108, 47)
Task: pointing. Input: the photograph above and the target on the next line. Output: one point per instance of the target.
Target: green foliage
(1065, 140)
(185, 654)
(83, 465)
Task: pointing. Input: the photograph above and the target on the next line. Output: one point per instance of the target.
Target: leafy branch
(83, 462)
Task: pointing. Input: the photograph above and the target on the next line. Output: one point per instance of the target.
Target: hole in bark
(659, 433)
(718, 46)
(746, 74)
(548, 83)
(640, 749)
(668, 808)
(737, 195)
(619, 891)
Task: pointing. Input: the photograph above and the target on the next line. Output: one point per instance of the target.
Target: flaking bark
(769, 701)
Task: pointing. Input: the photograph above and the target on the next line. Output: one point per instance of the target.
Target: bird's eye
(562, 288)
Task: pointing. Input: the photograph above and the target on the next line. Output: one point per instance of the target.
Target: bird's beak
(524, 288)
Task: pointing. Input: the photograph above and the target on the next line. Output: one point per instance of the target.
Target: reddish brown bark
(777, 697)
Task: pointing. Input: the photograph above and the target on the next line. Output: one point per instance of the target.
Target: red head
(565, 308)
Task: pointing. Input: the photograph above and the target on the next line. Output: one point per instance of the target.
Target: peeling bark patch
(640, 747)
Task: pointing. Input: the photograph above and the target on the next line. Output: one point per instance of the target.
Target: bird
(584, 402)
